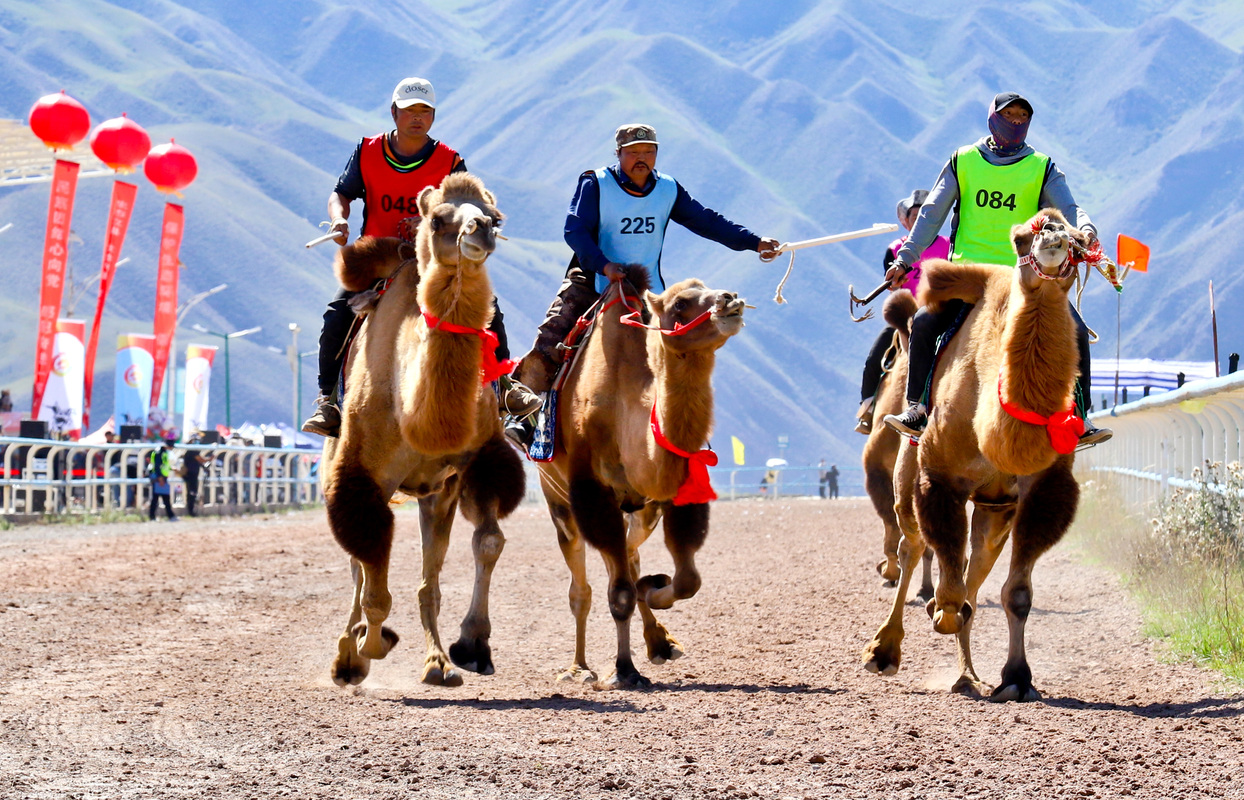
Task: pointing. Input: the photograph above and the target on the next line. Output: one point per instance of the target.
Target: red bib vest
(393, 196)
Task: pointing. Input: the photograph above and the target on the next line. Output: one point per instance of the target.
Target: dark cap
(1005, 99)
(913, 200)
(635, 133)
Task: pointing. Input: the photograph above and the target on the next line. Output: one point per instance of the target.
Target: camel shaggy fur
(610, 481)
(1018, 342)
(881, 449)
(417, 422)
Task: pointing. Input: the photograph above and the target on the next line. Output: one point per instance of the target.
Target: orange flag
(1134, 251)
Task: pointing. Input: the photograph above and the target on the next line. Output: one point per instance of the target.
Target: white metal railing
(1159, 440)
(41, 476)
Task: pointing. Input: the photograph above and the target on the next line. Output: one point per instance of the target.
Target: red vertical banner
(166, 293)
(118, 223)
(55, 256)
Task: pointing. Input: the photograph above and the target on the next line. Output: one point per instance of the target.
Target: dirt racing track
(192, 660)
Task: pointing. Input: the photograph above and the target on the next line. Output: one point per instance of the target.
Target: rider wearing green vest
(989, 186)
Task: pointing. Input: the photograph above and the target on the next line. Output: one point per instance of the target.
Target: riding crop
(878, 227)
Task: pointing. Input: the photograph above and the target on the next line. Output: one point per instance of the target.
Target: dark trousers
(337, 321)
(192, 494)
(576, 295)
(872, 364)
(926, 326)
(168, 505)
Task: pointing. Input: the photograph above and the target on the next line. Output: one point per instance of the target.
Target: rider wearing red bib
(387, 172)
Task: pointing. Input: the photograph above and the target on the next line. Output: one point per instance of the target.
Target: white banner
(62, 397)
(135, 358)
(198, 379)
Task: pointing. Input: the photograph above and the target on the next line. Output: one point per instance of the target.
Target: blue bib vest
(632, 229)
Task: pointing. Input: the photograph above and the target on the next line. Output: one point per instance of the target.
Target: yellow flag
(738, 450)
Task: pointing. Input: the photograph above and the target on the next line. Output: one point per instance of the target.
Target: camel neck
(1039, 351)
(684, 393)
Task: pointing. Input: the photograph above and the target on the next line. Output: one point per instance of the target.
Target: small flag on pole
(1133, 253)
(738, 450)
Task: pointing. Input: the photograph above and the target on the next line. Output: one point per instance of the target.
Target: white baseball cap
(413, 91)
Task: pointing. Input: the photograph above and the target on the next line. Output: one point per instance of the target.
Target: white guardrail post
(1159, 440)
(42, 476)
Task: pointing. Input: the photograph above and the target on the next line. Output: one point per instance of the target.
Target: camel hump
(638, 277)
(943, 281)
(899, 308)
(369, 259)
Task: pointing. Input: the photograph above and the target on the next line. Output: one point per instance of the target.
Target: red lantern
(120, 143)
(59, 120)
(170, 167)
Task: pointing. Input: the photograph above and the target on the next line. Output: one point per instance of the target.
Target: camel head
(1044, 245)
(460, 221)
(693, 317)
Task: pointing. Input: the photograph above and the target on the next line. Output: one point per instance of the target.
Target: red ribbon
(490, 367)
(632, 319)
(1064, 427)
(696, 488)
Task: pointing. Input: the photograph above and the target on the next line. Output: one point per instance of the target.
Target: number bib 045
(991, 200)
(632, 229)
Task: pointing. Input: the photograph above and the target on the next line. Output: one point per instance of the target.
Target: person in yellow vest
(985, 188)
(159, 472)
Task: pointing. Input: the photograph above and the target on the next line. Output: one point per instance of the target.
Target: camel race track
(192, 660)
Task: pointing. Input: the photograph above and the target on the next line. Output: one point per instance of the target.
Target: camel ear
(425, 205)
(1021, 238)
(654, 302)
(490, 197)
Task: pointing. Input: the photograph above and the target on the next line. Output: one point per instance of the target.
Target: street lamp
(227, 337)
(182, 310)
(295, 365)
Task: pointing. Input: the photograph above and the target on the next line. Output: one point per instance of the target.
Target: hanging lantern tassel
(120, 143)
(170, 167)
(59, 121)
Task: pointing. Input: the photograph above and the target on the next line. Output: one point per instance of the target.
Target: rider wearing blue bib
(618, 216)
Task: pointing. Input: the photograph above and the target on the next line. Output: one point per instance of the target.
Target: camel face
(1048, 239)
(462, 232)
(696, 317)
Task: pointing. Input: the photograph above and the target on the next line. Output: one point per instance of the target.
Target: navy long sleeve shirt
(583, 219)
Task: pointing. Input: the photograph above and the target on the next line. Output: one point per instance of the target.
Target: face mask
(1008, 137)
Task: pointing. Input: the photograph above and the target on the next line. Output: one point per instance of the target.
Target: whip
(878, 227)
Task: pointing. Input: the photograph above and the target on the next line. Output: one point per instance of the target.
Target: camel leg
(436, 517)
(362, 523)
(1046, 508)
(884, 653)
(686, 528)
(574, 553)
(599, 518)
(879, 483)
(472, 650)
(943, 519)
(990, 530)
(662, 646)
(349, 667)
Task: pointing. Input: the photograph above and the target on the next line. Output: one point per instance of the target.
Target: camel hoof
(388, 640)
(474, 655)
(577, 674)
(350, 669)
(648, 586)
(930, 607)
(661, 646)
(1013, 693)
(880, 662)
(631, 680)
(925, 594)
(436, 675)
(946, 623)
(969, 686)
(889, 572)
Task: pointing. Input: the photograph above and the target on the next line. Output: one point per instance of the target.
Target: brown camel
(1018, 347)
(609, 464)
(418, 422)
(881, 449)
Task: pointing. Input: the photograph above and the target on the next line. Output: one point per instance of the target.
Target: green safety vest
(991, 200)
(159, 464)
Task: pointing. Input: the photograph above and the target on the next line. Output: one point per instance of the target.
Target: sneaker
(1093, 435)
(519, 401)
(326, 421)
(911, 422)
(864, 417)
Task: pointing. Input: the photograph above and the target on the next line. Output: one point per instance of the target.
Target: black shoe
(910, 423)
(326, 421)
(1093, 436)
(521, 432)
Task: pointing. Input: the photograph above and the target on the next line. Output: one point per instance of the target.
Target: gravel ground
(192, 660)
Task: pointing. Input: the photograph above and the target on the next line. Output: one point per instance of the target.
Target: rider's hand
(768, 249)
(341, 228)
(614, 271)
(1088, 231)
(897, 273)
